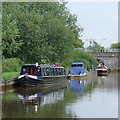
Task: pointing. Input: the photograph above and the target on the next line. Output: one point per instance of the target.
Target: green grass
(10, 75)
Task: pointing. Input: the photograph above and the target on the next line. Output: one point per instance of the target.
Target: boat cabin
(77, 68)
(42, 70)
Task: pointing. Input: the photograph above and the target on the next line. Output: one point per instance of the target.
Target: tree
(115, 45)
(95, 47)
(10, 34)
(78, 43)
(48, 31)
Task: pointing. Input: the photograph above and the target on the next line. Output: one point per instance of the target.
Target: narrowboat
(77, 70)
(102, 70)
(34, 74)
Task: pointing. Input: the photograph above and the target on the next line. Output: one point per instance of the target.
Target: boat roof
(76, 63)
(102, 67)
(29, 65)
(34, 65)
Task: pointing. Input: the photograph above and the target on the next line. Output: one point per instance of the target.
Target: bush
(80, 56)
(10, 75)
(11, 65)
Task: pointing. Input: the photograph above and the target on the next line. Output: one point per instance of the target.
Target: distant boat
(102, 70)
(34, 74)
(77, 70)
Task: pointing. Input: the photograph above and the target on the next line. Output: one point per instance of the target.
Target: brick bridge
(110, 59)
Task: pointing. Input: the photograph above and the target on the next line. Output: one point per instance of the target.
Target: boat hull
(25, 91)
(102, 73)
(27, 81)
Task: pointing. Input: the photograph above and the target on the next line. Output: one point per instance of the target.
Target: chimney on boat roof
(36, 64)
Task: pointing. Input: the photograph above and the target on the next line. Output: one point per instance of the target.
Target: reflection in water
(53, 97)
(74, 99)
(42, 96)
(30, 100)
(103, 100)
(77, 86)
(40, 99)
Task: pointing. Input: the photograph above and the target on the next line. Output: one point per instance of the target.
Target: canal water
(92, 97)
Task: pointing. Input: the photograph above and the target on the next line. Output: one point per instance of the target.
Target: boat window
(80, 65)
(38, 69)
(58, 71)
(77, 65)
(44, 71)
(24, 69)
(33, 72)
(41, 71)
(50, 69)
(29, 69)
(101, 67)
(55, 71)
(62, 71)
(74, 65)
(47, 71)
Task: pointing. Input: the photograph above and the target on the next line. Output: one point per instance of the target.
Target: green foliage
(10, 33)
(39, 31)
(95, 47)
(11, 65)
(81, 56)
(10, 75)
(115, 45)
(78, 43)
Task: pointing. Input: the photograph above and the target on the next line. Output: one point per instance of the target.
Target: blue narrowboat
(34, 74)
(77, 70)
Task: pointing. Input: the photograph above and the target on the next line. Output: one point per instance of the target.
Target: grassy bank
(10, 75)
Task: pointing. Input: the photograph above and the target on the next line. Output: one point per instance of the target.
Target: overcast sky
(99, 20)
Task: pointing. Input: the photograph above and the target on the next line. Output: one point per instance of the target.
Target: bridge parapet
(105, 54)
(104, 50)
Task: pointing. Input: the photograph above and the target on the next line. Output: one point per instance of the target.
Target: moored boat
(102, 70)
(77, 70)
(34, 74)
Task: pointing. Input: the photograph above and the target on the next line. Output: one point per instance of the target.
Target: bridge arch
(110, 59)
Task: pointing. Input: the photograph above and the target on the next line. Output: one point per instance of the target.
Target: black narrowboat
(34, 74)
